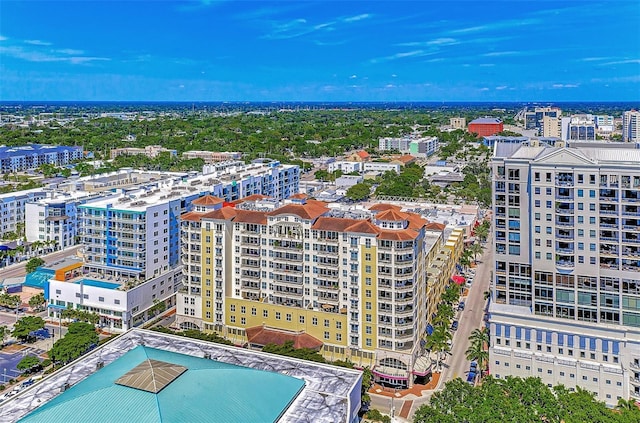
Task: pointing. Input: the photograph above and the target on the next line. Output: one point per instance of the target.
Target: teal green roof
(208, 391)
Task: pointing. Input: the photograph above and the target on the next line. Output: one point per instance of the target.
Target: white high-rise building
(566, 278)
(631, 126)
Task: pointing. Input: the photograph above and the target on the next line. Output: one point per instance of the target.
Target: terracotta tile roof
(364, 227)
(436, 226)
(299, 196)
(407, 158)
(392, 215)
(336, 224)
(363, 154)
(225, 213)
(251, 216)
(416, 221)
(403, 235)
(191, 216)
(308, 211)
(207, 200)
(261, 335)
(383, 206)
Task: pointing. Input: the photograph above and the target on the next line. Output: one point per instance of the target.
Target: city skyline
(305, 51)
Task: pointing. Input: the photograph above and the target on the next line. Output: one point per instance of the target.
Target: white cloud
(621, 62)
(353, 76)
(565, 85)
(357, 18)
(501, 87)
(501, 53)
(3, 38)
(484, 89)
(51, 56)
(37, 42)
(403, 55)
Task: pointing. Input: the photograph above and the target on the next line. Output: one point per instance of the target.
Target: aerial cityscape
(422, 211)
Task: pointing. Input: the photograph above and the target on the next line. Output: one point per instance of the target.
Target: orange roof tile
(299, 196)
(309, 211)
(251, 216)
(363, 227)
(335, 224)
(384, 206)
(392, 215)
(363, 154)
(225, 213)
(403, 235)
(191, 216)
(207, 200)
(407, 158)
(436, 226)
(261, 335)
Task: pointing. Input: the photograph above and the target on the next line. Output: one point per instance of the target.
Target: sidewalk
(416, 390)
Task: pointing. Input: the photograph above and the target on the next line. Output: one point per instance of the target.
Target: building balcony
(253, 286)
(251, 263)
(565, 265)
(564, 211)
(628, 240)
(290, 281)
(329, 299)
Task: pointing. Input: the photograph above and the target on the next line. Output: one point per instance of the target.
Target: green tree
(25, 325)
(28, 363)
(37, 301)
(33, 264)
(482, 231)
(80, 336)
(4, 332)
(480, 337)
(358, 192)
(477, 352)
(475, 249)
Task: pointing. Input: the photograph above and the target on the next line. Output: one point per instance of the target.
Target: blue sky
(320, 51)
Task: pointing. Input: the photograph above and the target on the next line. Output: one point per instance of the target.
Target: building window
(301, 319)
(277, 315)
(314, 321)
(265, 313)
(326, 334)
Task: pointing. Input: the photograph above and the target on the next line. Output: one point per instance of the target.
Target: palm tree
(478, 353)
(624, 404)
(437, 342)
(479, 336)
(482, 232)
(475, 249)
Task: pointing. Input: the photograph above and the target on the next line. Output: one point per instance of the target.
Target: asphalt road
(18, 269)
(471, 318)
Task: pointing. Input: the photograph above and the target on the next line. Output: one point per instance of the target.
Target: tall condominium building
(566, 277)
(631, 126)
(17, 159)
(357, 284)
(578, 128)
(534, 119)
(54, 219)
(12, 209)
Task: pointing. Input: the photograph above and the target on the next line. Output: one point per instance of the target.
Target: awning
(460, 280)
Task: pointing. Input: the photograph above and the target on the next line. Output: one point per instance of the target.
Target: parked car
(461, 306)
(471, 378)
(454, 325)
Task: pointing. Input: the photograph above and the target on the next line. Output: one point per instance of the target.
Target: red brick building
(486, 126)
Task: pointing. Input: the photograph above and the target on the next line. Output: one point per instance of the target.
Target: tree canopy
(518, 400)
(25, 325)
(33, 264)
(79, 338)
